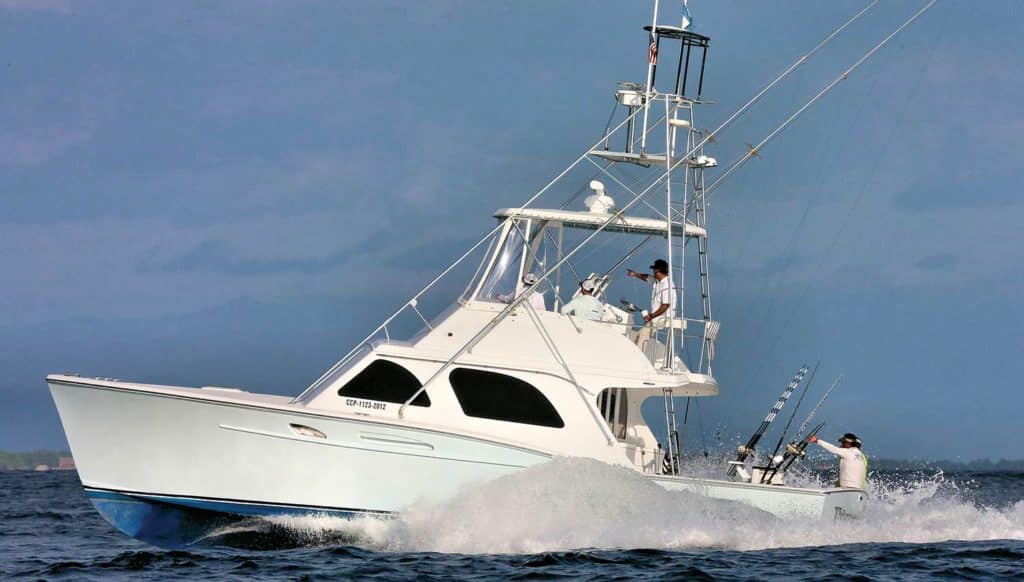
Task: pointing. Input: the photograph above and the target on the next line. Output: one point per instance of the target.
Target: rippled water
(569, 518)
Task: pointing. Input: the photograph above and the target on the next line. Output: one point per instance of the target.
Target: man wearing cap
(853, 464)
(536, 297)
(585, 305)
(663, 300)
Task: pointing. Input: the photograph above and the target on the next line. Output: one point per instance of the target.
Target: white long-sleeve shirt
(853, 465)
(536, 300)
(585, 306)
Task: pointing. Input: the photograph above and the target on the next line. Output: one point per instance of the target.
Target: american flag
(652, 50)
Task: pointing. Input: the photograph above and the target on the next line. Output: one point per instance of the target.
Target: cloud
(963, 189)
(263, 89)
(42, 120)
(218, 256)
(35, 145)
(54, 6)
(939, 262)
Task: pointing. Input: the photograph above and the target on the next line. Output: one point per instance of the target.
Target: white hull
(782, 501)
(181, 446)
(137, 442)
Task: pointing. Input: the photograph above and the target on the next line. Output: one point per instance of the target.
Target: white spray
(577, 503)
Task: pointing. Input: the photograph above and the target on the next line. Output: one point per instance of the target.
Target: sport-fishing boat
(497, 380)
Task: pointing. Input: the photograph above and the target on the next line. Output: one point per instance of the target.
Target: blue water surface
(49, 530)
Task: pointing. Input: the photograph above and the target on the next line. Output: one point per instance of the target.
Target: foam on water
(577, 503)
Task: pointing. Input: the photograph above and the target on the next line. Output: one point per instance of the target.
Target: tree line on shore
(11, 461)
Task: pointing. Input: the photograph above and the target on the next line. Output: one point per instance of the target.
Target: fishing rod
(817, 408)
(797, 446)
(785, 429)
(794, 451)
(746, 450)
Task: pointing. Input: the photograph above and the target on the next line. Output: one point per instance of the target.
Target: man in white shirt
(663, 301)
(853, 464)
(585, 305)
(536, 297)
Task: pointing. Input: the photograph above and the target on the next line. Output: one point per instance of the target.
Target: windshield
(502, 278)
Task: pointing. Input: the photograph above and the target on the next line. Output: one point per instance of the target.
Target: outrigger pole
(673, 164)
(753, 151)
(747, 449)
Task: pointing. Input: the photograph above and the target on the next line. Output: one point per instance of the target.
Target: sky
(234, 193)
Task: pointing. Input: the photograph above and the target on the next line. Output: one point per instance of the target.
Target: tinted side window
(499, 397)
(387, 382)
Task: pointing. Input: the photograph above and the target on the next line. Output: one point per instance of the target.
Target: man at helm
(663, 300)
(853, 464)
(536, 296)
(585, 305)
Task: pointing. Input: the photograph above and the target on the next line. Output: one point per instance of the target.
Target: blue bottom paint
(169, 521)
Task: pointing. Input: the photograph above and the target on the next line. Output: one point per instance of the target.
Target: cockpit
(527, 263)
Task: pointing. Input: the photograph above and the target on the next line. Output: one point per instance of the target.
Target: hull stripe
(225, 505)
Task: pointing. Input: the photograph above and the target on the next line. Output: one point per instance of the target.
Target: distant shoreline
(52, 459)
(978, 465)
(36, 461)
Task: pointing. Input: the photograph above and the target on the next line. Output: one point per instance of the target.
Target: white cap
(529, 279)
(588, 285)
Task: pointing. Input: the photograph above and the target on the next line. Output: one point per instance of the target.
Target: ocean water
(565, 519)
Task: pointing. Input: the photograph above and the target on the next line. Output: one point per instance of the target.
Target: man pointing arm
(853, 464)
(663, 300)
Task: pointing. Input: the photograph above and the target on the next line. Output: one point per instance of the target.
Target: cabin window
(499, 397)
(385, 381)
(613, 404)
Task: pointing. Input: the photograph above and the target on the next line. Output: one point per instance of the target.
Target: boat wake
(578, 503)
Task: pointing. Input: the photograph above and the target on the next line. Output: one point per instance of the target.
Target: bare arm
(642, 276)
(662, 309)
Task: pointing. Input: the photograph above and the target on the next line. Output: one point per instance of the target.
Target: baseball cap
(660, 265)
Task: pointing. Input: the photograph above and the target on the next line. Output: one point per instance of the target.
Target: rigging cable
(789, 120)
(856, 203)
